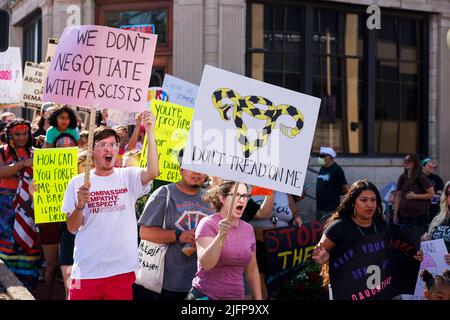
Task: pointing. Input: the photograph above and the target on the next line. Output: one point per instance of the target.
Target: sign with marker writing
(246, 130)
(171, 129)
(96, 65)
(288, 249)
(32, 83)
(353, 266)
(10, 76)
(52, 44)
(52, 170)
(433, 260)
(180, 91)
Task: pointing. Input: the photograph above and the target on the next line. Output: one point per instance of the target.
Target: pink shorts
(119, 287)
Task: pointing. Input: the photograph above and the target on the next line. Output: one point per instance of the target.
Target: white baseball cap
(327, 150)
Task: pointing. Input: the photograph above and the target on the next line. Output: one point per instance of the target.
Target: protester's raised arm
(152, 170)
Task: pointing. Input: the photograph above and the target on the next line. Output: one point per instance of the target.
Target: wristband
(76, 207)
(177, 235)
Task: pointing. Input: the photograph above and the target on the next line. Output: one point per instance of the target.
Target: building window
(337, 47)
(156, 14)
(398, 85)
(32, 38)
(157, 19)
(277, 41)
(287, 39)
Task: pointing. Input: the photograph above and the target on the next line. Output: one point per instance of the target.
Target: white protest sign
(120, 118)
(33, 77)
(180, 92)
(250, 131)
(102, 66)
(10, 76)
(433, 261)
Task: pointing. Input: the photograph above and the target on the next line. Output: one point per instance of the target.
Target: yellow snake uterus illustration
(247, 104)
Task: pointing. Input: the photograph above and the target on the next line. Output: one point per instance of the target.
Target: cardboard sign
(33, 80)
(118, 118)
(353, 266)
(246, 130)
(52, 170)
(51, 50)
(10, 76)
(288, 249)
(433, 261)
(180, 91)
(171, 129)
(101, 66)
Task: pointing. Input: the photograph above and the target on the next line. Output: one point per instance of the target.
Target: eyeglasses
(245, 196)
(103, 145)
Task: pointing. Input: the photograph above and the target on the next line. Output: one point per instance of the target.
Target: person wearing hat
(428, 166)
(331, 184)
(172, 203)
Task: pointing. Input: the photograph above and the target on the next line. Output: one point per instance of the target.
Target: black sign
(375, 267)
(288, 251)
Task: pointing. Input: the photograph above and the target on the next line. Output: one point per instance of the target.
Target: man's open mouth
(108, 158)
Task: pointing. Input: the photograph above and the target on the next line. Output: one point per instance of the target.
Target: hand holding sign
(224, 227)
(320, 255)
(149, 120)
(83, 195)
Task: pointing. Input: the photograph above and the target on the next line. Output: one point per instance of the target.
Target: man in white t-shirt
(102, 214)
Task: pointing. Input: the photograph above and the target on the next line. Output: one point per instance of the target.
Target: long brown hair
(416, 169)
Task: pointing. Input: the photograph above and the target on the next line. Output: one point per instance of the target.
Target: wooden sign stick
(90, 145)
(230, 209)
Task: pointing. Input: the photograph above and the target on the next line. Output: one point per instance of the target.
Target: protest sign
(171, 129)
(288, 249)
(96, 65)
(53, 169)
(10, 76)
(118, 118)
(375, 267)
(33, 77)
(52, 44)
(246, 130)
(433, 261)
(180, 91)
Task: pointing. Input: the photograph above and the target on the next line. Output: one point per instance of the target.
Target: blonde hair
(444, 214)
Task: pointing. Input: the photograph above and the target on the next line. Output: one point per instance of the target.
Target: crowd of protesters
(224, 257)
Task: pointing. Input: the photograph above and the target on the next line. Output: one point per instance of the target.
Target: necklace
(360, 230)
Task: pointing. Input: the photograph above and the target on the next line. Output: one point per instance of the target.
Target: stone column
(47, 24)
(232, 35)
(188, 40)
(443, 115)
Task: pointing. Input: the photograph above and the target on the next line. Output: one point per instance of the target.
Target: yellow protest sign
(52, 171)
(172, 126)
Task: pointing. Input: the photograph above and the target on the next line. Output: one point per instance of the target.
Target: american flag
(24, 228)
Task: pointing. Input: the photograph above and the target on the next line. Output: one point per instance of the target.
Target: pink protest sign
(106, 67)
